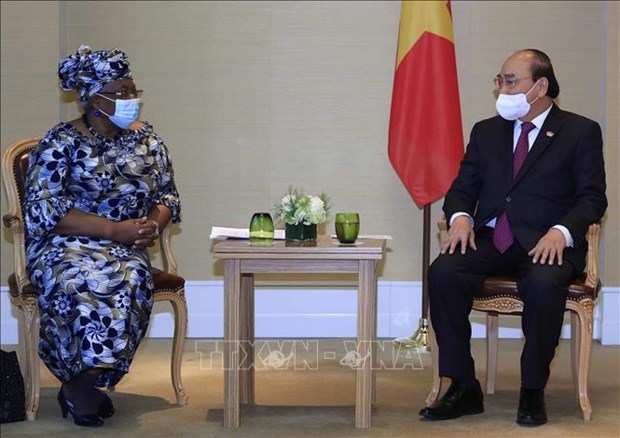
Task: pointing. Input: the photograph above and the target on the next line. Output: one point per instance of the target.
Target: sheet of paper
(238, 233)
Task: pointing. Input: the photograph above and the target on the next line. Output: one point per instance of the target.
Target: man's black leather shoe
(457, 401)
(532, 410)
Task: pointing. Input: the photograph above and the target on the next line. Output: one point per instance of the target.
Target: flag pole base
(419, 340)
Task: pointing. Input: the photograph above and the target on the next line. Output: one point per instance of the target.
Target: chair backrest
(14, 167)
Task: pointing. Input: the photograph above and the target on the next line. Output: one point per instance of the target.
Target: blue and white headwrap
(87, 72)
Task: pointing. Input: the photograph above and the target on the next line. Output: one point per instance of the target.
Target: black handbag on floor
(12, 398)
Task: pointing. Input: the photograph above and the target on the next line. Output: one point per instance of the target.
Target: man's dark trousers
(454, 279)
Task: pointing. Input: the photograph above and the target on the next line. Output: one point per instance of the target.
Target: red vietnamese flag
(425, 142)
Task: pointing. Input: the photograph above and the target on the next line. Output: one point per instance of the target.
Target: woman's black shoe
(91, 420)
(106, 408)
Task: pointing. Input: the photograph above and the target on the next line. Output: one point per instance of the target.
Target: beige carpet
(308, 389)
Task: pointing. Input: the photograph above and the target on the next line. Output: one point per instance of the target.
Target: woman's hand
(148, 233)
(139, 233)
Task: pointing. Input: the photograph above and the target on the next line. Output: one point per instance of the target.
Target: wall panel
(253, 96)
(29, 105)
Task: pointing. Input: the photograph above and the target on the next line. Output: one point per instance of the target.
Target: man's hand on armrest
(461, 232)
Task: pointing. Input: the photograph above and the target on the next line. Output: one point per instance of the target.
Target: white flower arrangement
(296, 207)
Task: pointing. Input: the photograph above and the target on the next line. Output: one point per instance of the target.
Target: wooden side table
(242, 261)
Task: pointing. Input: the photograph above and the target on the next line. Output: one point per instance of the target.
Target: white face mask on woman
(514, 106)
(125, 113)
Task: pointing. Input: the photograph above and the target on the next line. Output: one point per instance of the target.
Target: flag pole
(425, 120)
(420, 338)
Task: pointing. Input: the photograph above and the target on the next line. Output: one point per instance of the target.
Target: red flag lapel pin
(549, 134)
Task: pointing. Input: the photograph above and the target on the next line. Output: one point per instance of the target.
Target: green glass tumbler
(347, 227)
(261, 230)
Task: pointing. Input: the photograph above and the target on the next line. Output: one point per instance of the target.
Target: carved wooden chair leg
(575, 347)
(432, 396)
(585, 316)
(31, 367)
(179, 306)
(492, 340)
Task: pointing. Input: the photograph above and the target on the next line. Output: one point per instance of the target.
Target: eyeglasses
(135, 94)
(508, 81)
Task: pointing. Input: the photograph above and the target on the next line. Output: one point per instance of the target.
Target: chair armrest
(593, 236)
(15, 224)
(10, 220)
(169, 260)
(442, 225)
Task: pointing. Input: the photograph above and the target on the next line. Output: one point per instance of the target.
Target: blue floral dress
(96, 294)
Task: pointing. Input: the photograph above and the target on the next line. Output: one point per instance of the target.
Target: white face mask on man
(514, 106)
(125, 113)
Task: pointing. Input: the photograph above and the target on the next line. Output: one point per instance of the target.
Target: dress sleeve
(166, 191)
(46, 200)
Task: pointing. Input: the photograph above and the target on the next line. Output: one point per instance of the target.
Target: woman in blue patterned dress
(98, 190)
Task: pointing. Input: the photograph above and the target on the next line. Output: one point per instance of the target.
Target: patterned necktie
(502, 234)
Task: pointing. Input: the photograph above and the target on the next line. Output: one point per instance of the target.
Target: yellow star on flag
(418, 17)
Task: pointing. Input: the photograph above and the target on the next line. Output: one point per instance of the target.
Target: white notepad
(238, 233)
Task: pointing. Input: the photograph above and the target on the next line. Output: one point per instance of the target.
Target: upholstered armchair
(499, 296)
(169, 286)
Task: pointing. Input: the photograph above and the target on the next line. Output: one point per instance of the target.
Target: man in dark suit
(531, 182)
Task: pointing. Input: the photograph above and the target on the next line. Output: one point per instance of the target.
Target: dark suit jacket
(561, 182)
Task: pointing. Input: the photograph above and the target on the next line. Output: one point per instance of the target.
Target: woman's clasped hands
(140, 233)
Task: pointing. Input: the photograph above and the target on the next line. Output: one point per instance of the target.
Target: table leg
(232, 332)
(246, 373)
(374, 348)
(366, 314)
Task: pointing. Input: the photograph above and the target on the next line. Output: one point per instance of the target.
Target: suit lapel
(547, 134)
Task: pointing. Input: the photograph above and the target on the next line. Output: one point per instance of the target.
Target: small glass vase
(347, 227)
(300, 232)
(261, 230)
